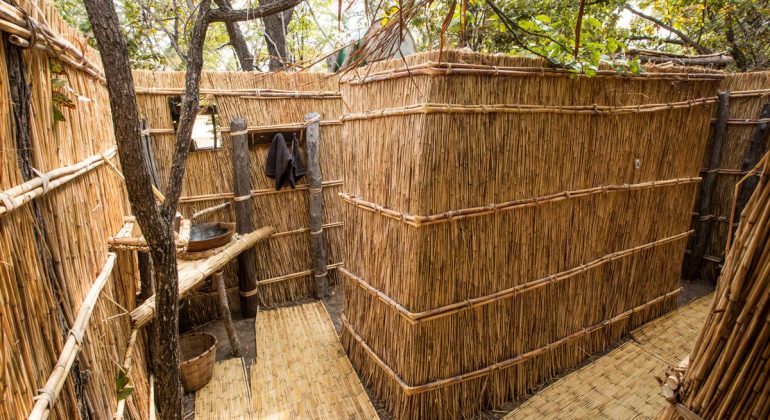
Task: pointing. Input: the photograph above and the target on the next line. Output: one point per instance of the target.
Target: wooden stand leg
(224, 315)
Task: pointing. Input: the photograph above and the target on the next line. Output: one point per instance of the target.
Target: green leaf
(593, 22)
(543, 18)
(125, 393)
(57, 114)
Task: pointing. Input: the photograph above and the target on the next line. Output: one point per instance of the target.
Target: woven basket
(198, 352)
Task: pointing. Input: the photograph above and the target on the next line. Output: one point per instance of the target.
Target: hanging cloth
(284, 165)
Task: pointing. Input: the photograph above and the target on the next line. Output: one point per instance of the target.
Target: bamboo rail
(245, 93)
(254, 193)
(419, 221)
(193, 273)
(296, 275)
(306, 229)
(124, 240)
(478, 373)
(433, 108)
(24, 193)
(432, 68)
(468, 304)
(50, 392)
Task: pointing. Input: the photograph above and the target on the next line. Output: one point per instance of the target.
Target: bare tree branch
(220, 15)
(237, 40)
(689, 41)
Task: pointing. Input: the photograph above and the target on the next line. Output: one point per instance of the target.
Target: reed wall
(504, 221)
(750, 92)
(265, 101)
(53, 246)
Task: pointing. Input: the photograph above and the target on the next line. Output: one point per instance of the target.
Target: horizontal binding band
(479, 373)
(250, 293)
(418, 221)
(255, 193)
(433, 108)
(454, 308)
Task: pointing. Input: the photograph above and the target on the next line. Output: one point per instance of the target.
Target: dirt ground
(246, 333)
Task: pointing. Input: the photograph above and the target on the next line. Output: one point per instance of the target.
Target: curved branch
(240, 15)
(689, 41)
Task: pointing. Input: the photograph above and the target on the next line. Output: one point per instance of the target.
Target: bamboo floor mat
(301, 370)
(621, 384)
(227, 395)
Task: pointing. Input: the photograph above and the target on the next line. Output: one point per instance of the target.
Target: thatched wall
(744, 111)
(46, 269)
(502, 223)
(284, 259)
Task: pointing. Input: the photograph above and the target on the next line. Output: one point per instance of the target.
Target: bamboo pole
(244, 216)
(53, 386)
(244, 93)
(316, 206)
(254, 193)
(693, 265)
(225, 316)
(434, 108)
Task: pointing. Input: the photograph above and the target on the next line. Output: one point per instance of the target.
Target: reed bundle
(53, 246)
(727, 375)
(453, 304)
(749, 93)
(278, 102)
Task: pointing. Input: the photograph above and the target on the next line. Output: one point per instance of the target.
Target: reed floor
(300, 371)
(621, 384)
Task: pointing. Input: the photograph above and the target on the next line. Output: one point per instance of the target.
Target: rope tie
(242, 198)
(46, 394)
(43, 177)
(9, 202)
(239, 133)
(32, 28)
(146, 132)
(315, 190)
(320, 275)
(250, 293)
(317, 232)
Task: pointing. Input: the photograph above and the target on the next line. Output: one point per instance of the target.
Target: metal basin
(205, 236)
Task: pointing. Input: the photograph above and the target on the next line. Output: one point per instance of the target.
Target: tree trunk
(275, 35)
(316, 206)
(237, 40)
(156, 229)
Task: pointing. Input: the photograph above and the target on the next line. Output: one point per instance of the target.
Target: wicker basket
(198, 352)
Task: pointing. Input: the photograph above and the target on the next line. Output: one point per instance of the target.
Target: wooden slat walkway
(301, 370)
(621, 384)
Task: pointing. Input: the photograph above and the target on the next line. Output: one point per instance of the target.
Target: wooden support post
(244, 216)
(316, 207)
(224, 315)
(693, 264)
(754, 152)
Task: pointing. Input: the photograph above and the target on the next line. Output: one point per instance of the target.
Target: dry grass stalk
(727, 373)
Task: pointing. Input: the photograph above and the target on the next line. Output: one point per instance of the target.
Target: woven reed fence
(269, 103)
(749, 95)
(53, 236)
(726, 374)
(503, 221)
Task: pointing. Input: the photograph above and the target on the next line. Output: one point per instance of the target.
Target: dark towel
(298, 166)
(284, 165)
